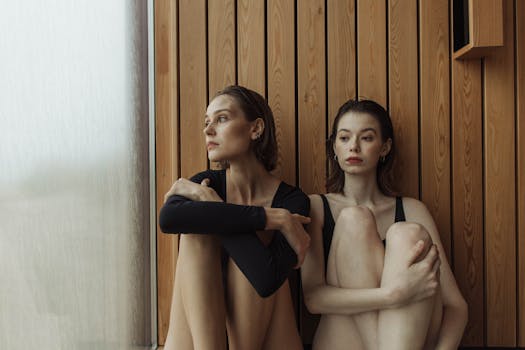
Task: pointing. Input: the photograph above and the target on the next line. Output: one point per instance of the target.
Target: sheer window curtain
(76, 247)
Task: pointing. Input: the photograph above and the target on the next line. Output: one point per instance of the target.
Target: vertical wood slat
(435, 114)
(500, 220)
(166, 144)
(281, 83)
(467, 200)
(371, 50)
(221, 45)
(520, 128)
(251, 70)
(341, 46)
(311, 82)
(403, 92)
(193, 79)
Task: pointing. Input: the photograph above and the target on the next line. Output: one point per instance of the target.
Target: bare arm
(455, 311)
(322, 298)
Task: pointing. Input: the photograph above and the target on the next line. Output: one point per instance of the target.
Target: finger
(431, 256)
(300, 260)
(416, 250)
(302, 219)
(205, 182)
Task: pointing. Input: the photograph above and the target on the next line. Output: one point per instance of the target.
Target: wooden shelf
(477, 27)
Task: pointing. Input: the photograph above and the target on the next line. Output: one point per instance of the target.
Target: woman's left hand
(193, 191)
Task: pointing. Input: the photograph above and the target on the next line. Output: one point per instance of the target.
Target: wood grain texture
(520, 132)
(403, 92)
(467, 198)
(435, 114)
(281, 83)
(311, 99)
(166, 144)
(486, 22)
(193, 92)
(341, 46)
(371, 51)
(251, 70)
(221, 45)
(500, 205)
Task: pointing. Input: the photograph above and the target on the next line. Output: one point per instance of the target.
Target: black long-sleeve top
(266, 267)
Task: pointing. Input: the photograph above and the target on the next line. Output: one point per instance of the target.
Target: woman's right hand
(420, 280)
(291, 226)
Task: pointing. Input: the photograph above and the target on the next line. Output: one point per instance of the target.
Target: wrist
(390, 296)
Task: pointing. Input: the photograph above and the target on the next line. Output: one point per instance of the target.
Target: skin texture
(401, 297)
(201, 313)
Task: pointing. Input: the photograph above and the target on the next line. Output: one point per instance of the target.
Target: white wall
(74, 210)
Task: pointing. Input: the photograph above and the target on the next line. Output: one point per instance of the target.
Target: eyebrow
(362, 130)
(218, 111)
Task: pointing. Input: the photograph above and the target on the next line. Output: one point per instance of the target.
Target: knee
(358, 221)
(406, 234)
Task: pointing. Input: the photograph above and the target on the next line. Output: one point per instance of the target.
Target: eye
(222, 118)
(206, 123)
(367, 138)
(343, 138)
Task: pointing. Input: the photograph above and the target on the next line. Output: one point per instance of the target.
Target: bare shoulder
(415, 209)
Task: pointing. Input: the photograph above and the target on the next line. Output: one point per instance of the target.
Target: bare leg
(405, 327)
(199, 288)
(248, 316)
(356, 261)
(282, 333)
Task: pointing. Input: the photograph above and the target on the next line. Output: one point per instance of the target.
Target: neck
(248, 178)
(362, 189)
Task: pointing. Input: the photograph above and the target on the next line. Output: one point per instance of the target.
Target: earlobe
(258, 128)
(387, 146)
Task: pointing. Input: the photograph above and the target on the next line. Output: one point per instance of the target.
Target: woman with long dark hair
(246, 217)
(376, 270)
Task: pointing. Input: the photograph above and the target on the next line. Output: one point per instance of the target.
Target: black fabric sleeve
(267, 267)
(182, 215)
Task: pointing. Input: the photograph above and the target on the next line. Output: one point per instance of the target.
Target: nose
(209, 129)
(354, 144)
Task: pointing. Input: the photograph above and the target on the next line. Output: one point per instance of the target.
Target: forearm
(326, 299)
(180, 215)
(452, 327)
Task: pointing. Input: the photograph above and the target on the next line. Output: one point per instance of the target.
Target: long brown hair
(336, 176)
(255, 106)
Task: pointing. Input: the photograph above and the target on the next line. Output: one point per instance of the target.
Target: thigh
(247, 314)
(282, 331)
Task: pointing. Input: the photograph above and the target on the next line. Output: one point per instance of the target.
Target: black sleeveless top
(329, 224)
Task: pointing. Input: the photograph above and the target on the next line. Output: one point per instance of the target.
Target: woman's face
(358, 144)
(228, 132)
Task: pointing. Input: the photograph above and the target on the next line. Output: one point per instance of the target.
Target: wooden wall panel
(403, 92)
(520, 129)
(251, 65)
(341, 79)
(435, 114)
(467, 199)
(311, 99)
(280, 48)
(281, 83)
(166, 144)
(500, 206)
(221, 45)
(193, 97)
(371, 51)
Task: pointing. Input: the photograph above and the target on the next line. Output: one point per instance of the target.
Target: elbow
(311, 301)
(164, 221)
(463, 311)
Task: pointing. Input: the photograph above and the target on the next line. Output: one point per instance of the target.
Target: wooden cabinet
(477, 27)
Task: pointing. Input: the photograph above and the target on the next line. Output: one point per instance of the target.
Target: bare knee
(404, 235)
(358, 221)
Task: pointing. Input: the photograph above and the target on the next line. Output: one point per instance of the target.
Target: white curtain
(74, 175)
